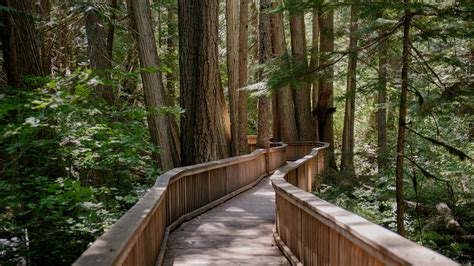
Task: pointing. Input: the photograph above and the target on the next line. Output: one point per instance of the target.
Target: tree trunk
(97, 32)
(172, 77)
(111, 32)
(285, 105)
(232, 18)
(254, 20)
(314, 64)
(265, 53)
(21, 47)
(382, 109)
(306, 130)
(243, 55)
(46, 56)
(325, 107)
(202, 124)
(275, 121)
(402, 122)
(155, 96)
(347, 159)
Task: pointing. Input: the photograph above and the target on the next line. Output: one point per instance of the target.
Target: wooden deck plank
(237, 232)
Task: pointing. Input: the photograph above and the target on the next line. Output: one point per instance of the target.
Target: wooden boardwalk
(237, 232)
(240, 231)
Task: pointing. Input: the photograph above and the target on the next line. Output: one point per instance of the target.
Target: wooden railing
(311, 231)
(139, 237)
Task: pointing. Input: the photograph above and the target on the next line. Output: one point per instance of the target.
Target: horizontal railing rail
(311, 231)
(139, 237)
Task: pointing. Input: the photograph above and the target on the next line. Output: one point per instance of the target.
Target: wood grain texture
(239, 231)
(316, 232)
(139, 237)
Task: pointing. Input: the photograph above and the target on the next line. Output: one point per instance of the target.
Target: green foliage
(438, 146)
(71, 166)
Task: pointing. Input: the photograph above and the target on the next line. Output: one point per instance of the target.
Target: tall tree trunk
(155, 96)
(306, 130)
(202, 124)
(172, 77)
(275, 121)
(62, 53)
(285, 105)
(382, 108)
(111, 31)
(171, 81)
(46, 56)
(347, 159)
(243, 55)
(97, 32)
(157, 24)
(402, 122)
(232, 18)
(265, 53)
(325, 107)
(314, 64)
(254, 20)
(21, 47)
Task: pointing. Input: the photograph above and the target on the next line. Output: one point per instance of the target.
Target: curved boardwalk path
(237, 232)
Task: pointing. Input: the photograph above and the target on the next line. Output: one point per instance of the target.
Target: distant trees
(402, 121)
(347, 157)
(97, 31)
(382, 156)
(20, 44)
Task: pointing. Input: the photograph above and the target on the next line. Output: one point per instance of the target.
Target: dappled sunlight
(237, 231)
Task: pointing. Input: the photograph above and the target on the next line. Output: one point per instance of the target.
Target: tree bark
(232, 18)
(306, 130)
(402, 122)
(325, 107)
(155, 96)
(97, 33)
(111, 31)
(382, 108)
(46, 56)
(172, 77)
(347, 159)
(285, 105)
(265, 53)
(314, 64)
(243, 56)
(21, 46)
(202, 124)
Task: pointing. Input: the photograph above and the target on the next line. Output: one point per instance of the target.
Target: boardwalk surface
(237, 232)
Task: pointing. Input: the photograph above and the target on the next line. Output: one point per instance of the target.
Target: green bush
(71, 165)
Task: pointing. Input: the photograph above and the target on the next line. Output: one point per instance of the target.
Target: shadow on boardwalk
(239, 231)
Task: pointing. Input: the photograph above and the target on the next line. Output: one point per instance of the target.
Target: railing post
(267, 160)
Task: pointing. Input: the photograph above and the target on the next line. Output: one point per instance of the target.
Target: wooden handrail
(139, 237)
(311, 231)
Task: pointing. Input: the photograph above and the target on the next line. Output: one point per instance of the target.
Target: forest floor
(433, 224)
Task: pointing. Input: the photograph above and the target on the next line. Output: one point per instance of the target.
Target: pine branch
(421, 57)
(372, 44)
(452, 150)
(424, 171)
